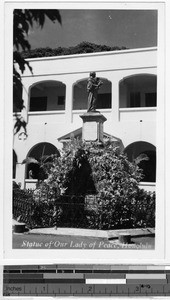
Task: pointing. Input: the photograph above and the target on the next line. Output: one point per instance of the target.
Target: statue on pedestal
(93, 85)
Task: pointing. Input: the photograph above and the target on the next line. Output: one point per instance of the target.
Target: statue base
(93, 126)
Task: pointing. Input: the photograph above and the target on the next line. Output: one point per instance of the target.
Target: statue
(93, 84)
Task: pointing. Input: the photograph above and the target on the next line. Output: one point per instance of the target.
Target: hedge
(84, 212)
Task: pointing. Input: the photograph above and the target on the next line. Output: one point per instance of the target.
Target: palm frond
(141, 158)
(30, 160)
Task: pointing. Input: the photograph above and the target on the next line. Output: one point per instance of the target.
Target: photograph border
(88, 256)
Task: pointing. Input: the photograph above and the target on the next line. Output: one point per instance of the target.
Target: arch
(138, 90)
(148, 166)
(15, 160)
(37, 152)
(47, 95)
(80, 94)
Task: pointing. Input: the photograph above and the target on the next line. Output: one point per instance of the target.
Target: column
(68, 104)
(115, 98)
(20, 174)
(25, 96)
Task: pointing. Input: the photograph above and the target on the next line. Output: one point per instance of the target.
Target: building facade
(55, 96)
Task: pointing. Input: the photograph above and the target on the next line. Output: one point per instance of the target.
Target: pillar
(20, 174)
(68, 104)
(25, 96)
(115, 98)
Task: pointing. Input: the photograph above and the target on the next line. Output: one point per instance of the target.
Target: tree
(83, 47)
(23, 19)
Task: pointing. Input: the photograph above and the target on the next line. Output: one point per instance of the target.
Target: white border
(167, 136)
(1, 124)
(157, 256)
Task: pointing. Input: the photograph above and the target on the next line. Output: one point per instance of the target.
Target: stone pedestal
(93, 126)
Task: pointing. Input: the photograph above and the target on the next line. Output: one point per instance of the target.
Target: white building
(55, 96)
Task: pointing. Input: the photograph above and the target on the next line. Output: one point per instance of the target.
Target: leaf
(22, 21)
(20, 123)
(141, 158)
(30, 160)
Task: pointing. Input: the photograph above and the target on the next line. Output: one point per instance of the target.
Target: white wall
(84, 63)
(127, 124)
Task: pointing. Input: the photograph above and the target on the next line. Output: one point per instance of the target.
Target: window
(135, 99)
(61, 100)
(150, 99)
(38, 103)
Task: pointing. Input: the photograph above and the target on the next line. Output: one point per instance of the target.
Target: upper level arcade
(47, 96)
(59, 85)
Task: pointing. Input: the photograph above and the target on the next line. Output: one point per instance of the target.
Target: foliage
(41, 163)
(70, 172)
(84, 47)
(22, 204)
(104, 173)
(92, 168)
(35, 212)
(144, 215)
(23, 19)
(138, 212)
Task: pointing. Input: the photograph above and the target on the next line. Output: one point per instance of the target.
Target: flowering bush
(100, 170)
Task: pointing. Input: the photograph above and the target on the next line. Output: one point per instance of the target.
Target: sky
(129, 28)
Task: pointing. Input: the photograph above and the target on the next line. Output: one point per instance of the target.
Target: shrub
(123, 214)
(36, 211)
(105, 173)
(144, 214)
(22, 204)
(101, 169)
